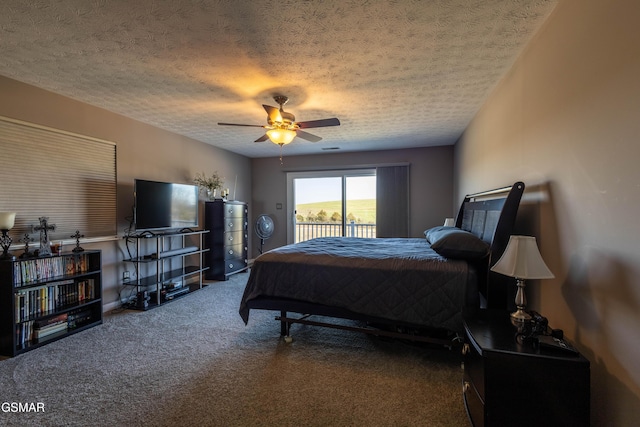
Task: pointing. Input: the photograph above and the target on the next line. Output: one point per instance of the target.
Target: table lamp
(7, 220)
(522, 260)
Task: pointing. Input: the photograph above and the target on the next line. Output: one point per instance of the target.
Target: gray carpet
(194, 363)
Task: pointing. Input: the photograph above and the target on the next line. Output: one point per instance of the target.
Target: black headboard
(491, 215)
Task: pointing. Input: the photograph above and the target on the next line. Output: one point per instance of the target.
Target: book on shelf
(40, 300)
(41, 328)
(79, 317)
(24, 332)
(45, 299)
(33, 270)
(45, 328)
(86, 290)
(51, 321)
(50, 330)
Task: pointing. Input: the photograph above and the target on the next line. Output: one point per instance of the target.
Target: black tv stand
(166, 265)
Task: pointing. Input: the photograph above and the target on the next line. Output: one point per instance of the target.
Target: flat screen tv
(164, 205)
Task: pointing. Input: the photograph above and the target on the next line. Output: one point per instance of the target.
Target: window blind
(69, 178)
(392, 201)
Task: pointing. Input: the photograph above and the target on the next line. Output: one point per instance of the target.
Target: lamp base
(520, 316)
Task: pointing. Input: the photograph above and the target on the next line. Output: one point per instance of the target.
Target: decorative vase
(212, 193)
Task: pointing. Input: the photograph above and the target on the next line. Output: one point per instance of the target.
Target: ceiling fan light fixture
(281, 136)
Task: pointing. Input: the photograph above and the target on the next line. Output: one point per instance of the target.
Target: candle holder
(26, 240)
(7, 220)
(5, 242)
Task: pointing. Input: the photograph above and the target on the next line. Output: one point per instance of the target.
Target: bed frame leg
(285, 327)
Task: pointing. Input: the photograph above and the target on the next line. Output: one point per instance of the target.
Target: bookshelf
(46, 299)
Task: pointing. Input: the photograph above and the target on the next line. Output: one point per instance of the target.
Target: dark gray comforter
(401, 280)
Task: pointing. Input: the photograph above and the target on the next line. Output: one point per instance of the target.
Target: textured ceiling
(398, 74)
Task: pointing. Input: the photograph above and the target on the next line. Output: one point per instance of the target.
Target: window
(331, 203)
(69, 178)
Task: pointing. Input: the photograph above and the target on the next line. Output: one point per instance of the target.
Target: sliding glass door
(360, 206)
(331, 203)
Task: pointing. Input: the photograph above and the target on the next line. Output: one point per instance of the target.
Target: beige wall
(431, 184)
(566, 120)
(143, 151)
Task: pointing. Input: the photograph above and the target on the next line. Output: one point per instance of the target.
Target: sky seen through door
(312, 190)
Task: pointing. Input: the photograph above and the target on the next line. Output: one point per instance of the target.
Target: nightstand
(510, 384)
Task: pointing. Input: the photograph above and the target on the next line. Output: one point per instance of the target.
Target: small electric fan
(264, 229)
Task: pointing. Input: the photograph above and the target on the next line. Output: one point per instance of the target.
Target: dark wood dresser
(227, 240)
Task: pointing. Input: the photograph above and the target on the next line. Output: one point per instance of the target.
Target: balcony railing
(311, 230)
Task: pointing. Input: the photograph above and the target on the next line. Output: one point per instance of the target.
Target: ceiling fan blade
(318, 123)
(308, 136)
(273, 112)
(236, 124)
(262, 138)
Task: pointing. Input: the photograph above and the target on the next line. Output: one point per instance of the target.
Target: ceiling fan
(282, 127)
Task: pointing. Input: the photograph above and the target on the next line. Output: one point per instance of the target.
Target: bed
(415, 288)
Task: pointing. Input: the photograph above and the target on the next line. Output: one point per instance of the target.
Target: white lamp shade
(281, 136)
(7, 220)
(522, 259)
